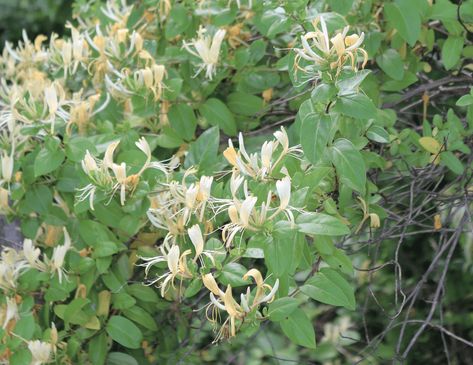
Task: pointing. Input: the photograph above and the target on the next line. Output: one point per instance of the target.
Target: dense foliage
(217, 181)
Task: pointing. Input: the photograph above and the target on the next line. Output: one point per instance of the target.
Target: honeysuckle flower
(40, 352)
(316, 47)
(150, 78)
(262, 166)
(224, 301)
(239, 219)
(207, 49)
(56, 262)
(12, 264)
(7, 167)
(11, 313)
(31, 254)
(284, 191)
(177, 266)
(197, 239)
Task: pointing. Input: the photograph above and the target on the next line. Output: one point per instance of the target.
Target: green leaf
(178, 21)
(451, 51)
(355, 106)
(281, 308)
(98, 348)
(104, 249)
(329, 287)
(47, 161)
(315, 133)
(77, 146)
(143, 293)
(142, 317)
(183, 120)
(349, 164)
(298, 328)
(403, 16)
(122, 301)
(321, 224)
(203, 151)
(232, 274)
(465, 100)
(452, 162)
(391, 63)
(217, 113)
(124, 332)
(120, 358)
(280, 254)
(377, 134)
(244, 104)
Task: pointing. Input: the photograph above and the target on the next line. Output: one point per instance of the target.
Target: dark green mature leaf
(217, 113)
(314, 135)
(321, 224)
(120, 358)
(142, 317)
(377, 134)
(281, 252)
(183, 120)
(281, 308)
(355, 106)
(328, 286)
(47, 161)
(349, 164)
(124, 332)
(403, 15)
(98, 348)
(298, 328)
(391, 63)
(203, 151)
(244, 104)
(232, 274)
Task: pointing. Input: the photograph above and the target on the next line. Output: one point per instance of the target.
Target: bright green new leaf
(451, 51)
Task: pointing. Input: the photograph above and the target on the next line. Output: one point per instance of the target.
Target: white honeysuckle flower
(143, 145)
(283, 188)
(197, 239)
(11, 312)
(40, 352)
(89, 165)
(206, 48)
(261, 166)
(59, 253)
(177, 266)
(320, 52)
(7, 166)
(266, 154)
(246, 209)
(31, 254)
(205, 186)
(51, 98)
(108, 157)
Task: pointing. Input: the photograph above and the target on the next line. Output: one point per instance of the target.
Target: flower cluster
(322, 50)
(181, 209)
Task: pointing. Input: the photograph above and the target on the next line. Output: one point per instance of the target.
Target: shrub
(148, 236)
